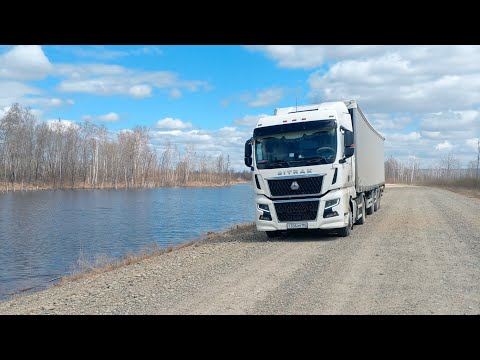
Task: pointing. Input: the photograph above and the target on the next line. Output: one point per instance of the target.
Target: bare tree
(60, 154)
(478, 156)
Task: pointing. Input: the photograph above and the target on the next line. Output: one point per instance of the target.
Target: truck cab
(303, 167)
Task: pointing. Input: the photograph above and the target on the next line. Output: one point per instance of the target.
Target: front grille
(306, 186)
(297, 211)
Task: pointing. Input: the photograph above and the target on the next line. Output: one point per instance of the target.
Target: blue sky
(424, 99)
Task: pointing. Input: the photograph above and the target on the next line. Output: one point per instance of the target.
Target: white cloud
(61, 125)
(444, 146)
(451, 121)
(435, 135)
(70, 101)
(37, 113)
(28, 96)
(175, 93)
(267, 97)
(25, 62)
(110, 117)
(100, 52)
(4, 110)
(412, 136)
(79, 71)
(228, 140)
(389, 121)
(249, 120)
(170, 123)
(473, 143)
(147, 50)
(97, 52)
(402, 81)
(311, 56)
(99, 79)
(56, 102)
(388, 78)
(140, 91)
(14, 91)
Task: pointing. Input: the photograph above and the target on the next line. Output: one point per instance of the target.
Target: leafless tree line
(448, 171)
(36, 154)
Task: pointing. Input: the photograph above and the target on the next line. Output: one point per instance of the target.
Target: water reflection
(43, 234)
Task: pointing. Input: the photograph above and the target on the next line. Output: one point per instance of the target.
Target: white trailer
(317, 166)
(369, 157)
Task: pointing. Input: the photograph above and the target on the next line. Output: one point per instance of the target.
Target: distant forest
(58, 155)
(448, 172)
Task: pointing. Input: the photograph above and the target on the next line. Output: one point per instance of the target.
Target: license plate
(297, 225)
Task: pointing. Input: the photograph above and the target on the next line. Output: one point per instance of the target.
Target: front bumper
(339, 221)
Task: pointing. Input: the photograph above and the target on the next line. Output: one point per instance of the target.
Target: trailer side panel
(369, 153)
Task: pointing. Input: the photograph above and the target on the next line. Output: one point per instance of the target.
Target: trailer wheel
(273, 234)
(361, 221)
(375, 203)
(347, 230)
(379, 198)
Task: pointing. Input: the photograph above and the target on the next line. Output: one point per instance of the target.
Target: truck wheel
(379, 198)
(370, 209)
(347, 230)
(361, 221)
(273, 234)
(375, 203)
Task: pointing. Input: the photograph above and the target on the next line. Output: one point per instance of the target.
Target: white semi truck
(315, 167)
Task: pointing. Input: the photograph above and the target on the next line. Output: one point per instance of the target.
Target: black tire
(273, 234)
(361, 221)
(347, 230)
(369, 210)
(379, 198)
(375, 203)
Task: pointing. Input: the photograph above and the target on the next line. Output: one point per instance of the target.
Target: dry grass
(103, 264)
(4, 187)
(473, 193)
(395, 185)
(209, 184)
(465, 186)
(80, 186)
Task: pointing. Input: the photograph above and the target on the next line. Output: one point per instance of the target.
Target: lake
(44, 234)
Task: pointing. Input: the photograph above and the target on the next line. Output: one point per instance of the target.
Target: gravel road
(419, 254)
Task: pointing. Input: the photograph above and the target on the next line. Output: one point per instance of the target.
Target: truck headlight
(263, 207)
(266, 212)
(331, 203)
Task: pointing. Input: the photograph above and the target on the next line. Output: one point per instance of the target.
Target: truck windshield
(310, 147)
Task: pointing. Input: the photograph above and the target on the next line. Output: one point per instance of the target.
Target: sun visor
(294, 127)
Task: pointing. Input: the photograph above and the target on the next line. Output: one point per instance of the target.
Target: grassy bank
(5, 188)
(102, 264)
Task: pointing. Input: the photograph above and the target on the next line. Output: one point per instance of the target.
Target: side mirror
(248, 153)
(349, 142)
(348, 138)
(349, 151)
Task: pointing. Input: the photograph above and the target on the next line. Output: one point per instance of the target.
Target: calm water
(43, 234)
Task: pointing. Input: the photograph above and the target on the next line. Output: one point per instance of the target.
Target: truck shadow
(300, 236)
(249, 234)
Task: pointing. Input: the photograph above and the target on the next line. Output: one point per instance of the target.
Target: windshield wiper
(316, 160)
(276, 163)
